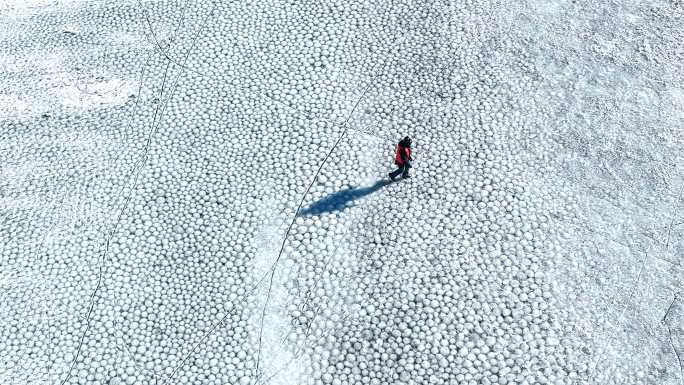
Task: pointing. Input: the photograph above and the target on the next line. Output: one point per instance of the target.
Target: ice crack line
(674, 217)
(137, 169)
(627, 301)
(299, 207)
(347, 127)
(289, 228)
(669, 333)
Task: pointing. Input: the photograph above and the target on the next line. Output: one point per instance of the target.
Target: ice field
(196, 192)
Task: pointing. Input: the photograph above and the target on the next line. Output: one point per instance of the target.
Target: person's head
(407, 141)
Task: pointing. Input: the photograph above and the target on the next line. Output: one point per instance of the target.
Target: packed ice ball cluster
(199, 195)
(441, 283)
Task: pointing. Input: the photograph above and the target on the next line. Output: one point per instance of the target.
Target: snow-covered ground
(194, 192)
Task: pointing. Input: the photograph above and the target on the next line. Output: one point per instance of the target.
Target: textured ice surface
(153, 157)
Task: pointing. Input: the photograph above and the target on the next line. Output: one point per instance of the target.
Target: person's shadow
(341, 199)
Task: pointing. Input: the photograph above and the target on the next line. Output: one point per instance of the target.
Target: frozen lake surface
(195, 192)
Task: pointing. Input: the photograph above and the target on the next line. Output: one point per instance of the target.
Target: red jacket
(403, 155)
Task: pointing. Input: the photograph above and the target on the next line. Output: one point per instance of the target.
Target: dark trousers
(403, 170)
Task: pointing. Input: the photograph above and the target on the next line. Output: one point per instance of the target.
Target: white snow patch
(279, 361)
(22, 8)
(96, 94)
(87, 96)
(19, 8)
(128, 39)
(45, 62)
(55, 87)
(677, 95)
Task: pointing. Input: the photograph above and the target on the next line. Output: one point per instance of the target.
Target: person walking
(403, 159)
